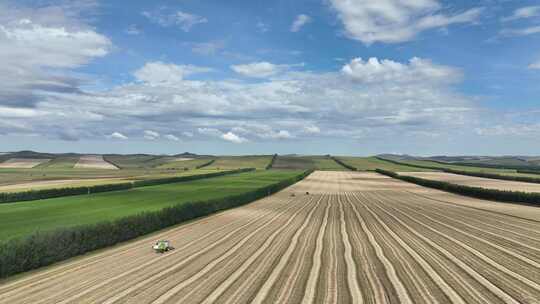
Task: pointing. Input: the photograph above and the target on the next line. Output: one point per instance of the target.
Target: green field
(372, 163)
(326, 163)
(183, 164)
(63, 162)
(132, 167)
(75, 181)
(316, 162)
(236, 162)
(20, 219)
(138, 161)
(13, 176)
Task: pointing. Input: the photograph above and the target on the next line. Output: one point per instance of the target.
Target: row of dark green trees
(208, 163)
(45, 248)
(339, 161)
(11, 197)
(527, 179)
(271, 164)
(476, 192)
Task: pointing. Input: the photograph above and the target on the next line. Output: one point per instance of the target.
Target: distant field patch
(236, 162)
(94, 162)
(372, 163)
(23, 163)
(48, 184)
(297, 162)
(184, 163)
(60, 163)
(473, 181)
(183, 159)
(131, 161)
(293, 162)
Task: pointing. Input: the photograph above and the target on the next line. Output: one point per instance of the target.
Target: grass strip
(31, 195)
(45, 248)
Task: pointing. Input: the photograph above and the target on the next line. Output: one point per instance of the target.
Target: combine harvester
(162, 246)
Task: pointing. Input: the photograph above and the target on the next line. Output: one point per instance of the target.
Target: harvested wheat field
(22, 163)
(356, 238)
(94, 162)
(58, 183)
(477, 181)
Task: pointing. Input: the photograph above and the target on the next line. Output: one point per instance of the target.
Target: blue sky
(238, 77)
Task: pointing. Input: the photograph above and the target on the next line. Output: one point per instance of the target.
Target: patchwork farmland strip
(13, 197)
(528, 198)
(353, 239)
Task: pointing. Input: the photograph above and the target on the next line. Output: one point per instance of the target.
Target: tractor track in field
(356, 238)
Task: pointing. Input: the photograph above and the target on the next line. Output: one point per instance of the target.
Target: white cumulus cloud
(299, 22)
(523, 12)
(392, 21)
(166, 73)
(535, 65)
(39, 47)
(417, 69)
(312, 129)
(151, 135)
(262, 69)
(525, 31)
(117, 135)
(256, 69)
(171, 137)
(229, 136)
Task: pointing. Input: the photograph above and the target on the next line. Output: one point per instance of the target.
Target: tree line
(269, 166)
(476, 192)
(205, 164)
(529, 171)
(45, 248)
(343, 164)
(11, 197)
(526, 179)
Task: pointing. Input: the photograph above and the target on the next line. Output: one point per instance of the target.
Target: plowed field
(476, 181)
(356, 238)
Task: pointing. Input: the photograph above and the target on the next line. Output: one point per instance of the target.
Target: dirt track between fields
(357, 238)
(476, 181)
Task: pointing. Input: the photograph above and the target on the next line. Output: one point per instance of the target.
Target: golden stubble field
(94, 162)
(356, 238)
(476, 181)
